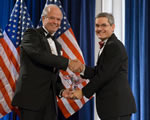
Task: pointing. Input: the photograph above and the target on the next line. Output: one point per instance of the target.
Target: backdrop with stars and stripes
(10, 54)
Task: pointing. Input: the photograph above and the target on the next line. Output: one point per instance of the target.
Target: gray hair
(45, 10)
(109, 16)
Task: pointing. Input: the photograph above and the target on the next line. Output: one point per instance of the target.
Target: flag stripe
(2, 111)
(66, 49)
(8, 63)
(79, 103)
(10, 54)
(72, 48)
(69, 108)
(7, 73)
(73, 104)
(6, 83)
(62, 106)
(12, 48)
(18, 22)
(4, 104)
(72, 39)
(65, 54)
(5, 95)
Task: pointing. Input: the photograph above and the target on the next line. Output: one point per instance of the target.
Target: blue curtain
(81, 14)
(137, 44)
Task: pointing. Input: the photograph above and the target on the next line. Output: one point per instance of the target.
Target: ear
(113, 27)
(43, 17)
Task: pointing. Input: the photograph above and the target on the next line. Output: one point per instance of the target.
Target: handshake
(76, 66)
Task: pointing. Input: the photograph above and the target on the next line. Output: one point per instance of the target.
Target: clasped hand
(72, 94)
(76, 66)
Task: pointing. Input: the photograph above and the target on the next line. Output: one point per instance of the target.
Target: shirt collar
(104, 41)
(46, 32)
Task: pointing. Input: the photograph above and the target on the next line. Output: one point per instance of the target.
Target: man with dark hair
(109, 78)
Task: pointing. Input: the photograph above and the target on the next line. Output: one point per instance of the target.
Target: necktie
(101, 44)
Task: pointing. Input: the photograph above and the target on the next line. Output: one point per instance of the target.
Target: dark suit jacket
(109, 80)
(38, 78)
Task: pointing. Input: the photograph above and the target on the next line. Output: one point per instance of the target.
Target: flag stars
(25, 8)
(24, 12)
(12, 36)
(28, 24)
(14, 26)
(17, 43)
(15, 15)
(1, 34)
(64, 22)
(18, 38)
(64, 17)
(59, 32)
(19, 21)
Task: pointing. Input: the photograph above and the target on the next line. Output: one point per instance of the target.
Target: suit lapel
(44, 39)
(58, 46)
(109, 41)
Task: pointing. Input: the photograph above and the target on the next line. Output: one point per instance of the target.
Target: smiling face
(103, 28)
(52, 20)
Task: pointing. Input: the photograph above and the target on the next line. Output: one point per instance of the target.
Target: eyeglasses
(52, 18)
(102, 25)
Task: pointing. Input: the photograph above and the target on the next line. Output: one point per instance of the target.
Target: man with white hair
(41, 59)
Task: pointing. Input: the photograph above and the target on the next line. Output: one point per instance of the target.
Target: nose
(55, 21)
(98, 28)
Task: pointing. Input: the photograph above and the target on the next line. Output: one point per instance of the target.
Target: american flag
(10, 54)
(71, 50)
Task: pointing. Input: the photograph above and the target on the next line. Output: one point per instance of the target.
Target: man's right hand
(76, 66)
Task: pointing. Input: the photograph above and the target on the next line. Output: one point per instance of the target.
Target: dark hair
(107, 15)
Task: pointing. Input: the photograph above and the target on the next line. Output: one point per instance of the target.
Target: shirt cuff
(82, 73)
(60, 94)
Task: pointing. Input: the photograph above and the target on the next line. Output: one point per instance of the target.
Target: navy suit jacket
(109, 80)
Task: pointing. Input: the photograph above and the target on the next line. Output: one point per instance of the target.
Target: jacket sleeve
(35, 48)
(113, 57)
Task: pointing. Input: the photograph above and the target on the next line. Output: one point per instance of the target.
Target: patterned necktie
(101, 44)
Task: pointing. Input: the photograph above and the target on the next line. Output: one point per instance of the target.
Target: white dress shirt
(51, 43)
(101, 50)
